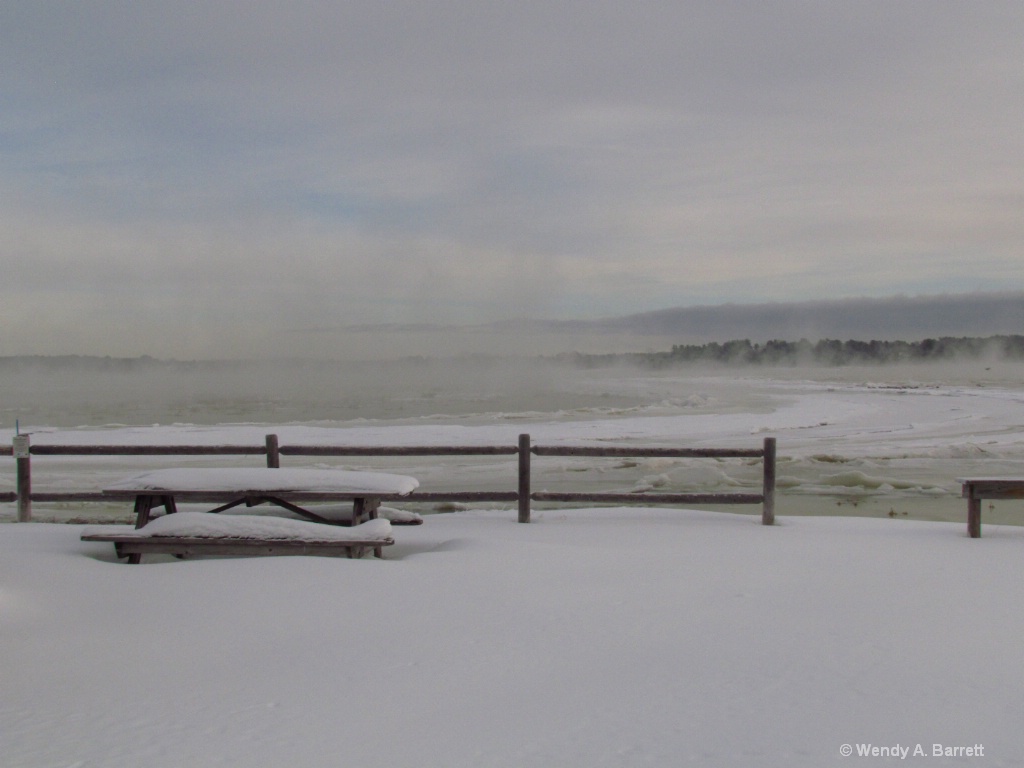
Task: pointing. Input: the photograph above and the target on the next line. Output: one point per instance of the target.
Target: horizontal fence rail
(147, 450)
(613, 451)
(405, 450)
(22, 451)
(662, 498)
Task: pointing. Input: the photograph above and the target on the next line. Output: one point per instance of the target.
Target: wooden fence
(23, 451)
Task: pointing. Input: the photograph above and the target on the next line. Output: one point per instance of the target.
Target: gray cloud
(196, 176)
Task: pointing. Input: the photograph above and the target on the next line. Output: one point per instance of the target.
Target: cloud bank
(194, 180)
(890, 319)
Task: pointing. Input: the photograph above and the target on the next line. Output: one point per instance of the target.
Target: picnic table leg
(143, 504)
(364, 509)
(973, 517)
(356, 552)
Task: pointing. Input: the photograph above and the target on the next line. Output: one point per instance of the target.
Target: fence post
(768, 514)
(21, 451)
(273, 452)
(524, 478)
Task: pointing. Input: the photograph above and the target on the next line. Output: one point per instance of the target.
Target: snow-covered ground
(635, 636)
(613, 637)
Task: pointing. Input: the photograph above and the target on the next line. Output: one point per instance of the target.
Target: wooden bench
(187, 534)
(995, 488)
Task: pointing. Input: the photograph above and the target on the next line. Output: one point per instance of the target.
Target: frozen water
(876, 441)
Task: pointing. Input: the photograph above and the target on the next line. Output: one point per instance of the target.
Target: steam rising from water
(90, 392)
(210, 393)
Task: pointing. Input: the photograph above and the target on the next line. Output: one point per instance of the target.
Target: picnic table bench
(976, 489)
(229, 488)
(197, 533)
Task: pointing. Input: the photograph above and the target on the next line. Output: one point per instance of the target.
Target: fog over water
(300, 391)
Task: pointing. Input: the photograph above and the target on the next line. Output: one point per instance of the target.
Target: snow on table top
(202, 525)
(265, 480)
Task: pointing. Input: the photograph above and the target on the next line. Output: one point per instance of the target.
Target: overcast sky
(199, 179)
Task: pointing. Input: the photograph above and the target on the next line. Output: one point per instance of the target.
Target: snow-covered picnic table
(285, 488)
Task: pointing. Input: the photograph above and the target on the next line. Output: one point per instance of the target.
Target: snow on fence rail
(22, 451)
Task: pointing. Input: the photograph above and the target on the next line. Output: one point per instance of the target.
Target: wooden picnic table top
(296, 484)
(992, 487)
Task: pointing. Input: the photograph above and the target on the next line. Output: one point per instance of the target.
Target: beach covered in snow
(621, 636)
(878, 441)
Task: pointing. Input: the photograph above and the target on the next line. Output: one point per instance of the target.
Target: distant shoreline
(735, 352)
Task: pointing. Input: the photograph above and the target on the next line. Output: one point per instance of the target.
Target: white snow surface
(591, 637)
(612, 637)
(267, 481)
(205, 526)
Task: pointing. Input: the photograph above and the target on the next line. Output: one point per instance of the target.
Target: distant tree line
(828, 352)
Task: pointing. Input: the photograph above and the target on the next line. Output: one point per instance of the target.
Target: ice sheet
(873, 441)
